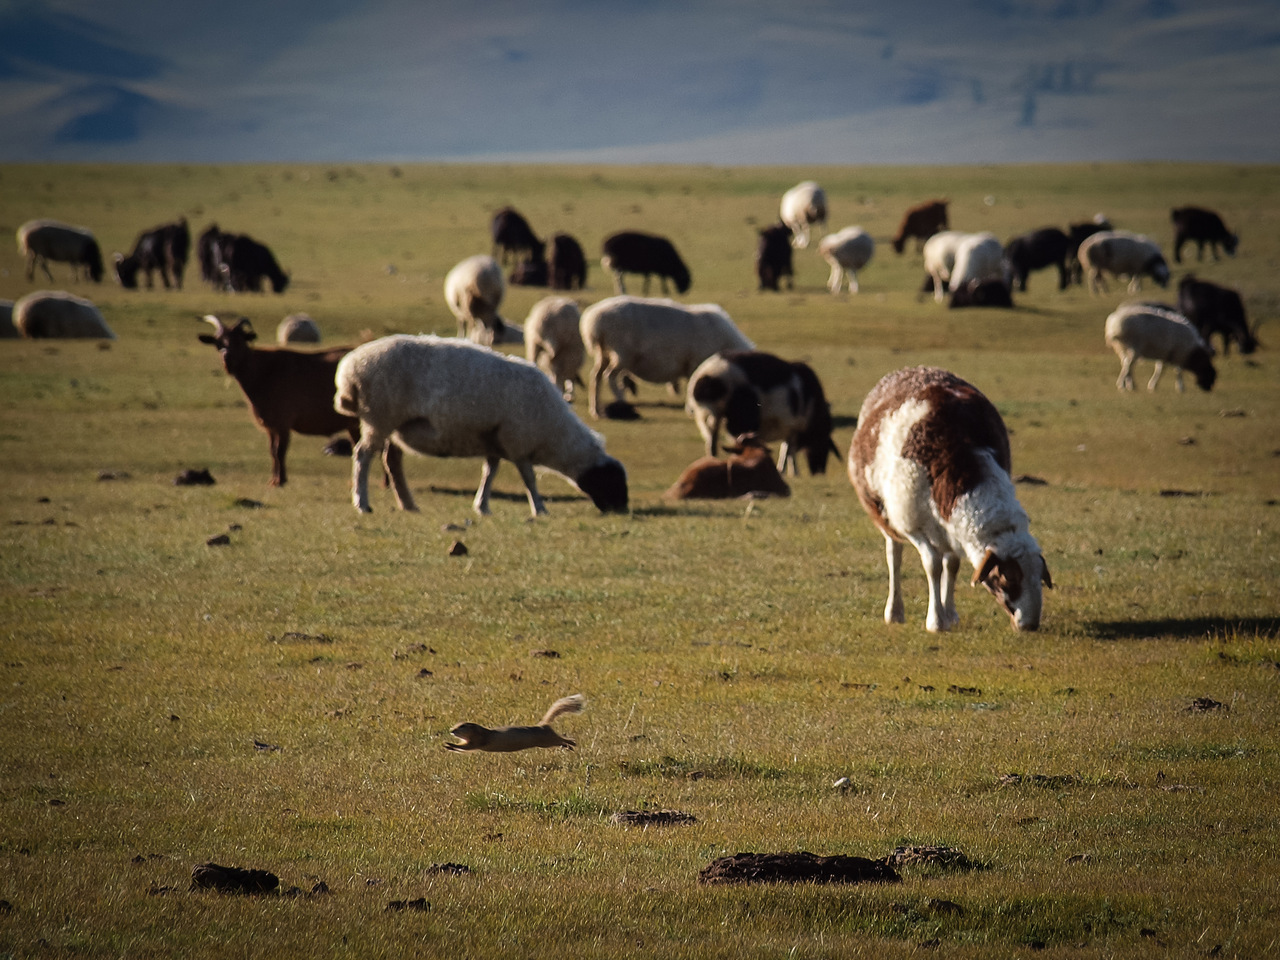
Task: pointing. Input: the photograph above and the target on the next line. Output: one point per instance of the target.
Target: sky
(726, 82)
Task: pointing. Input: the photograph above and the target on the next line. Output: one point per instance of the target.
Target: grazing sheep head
(126, 270)
(1199, 363)
(1015, 581)
(1159, 270)
(606, 485)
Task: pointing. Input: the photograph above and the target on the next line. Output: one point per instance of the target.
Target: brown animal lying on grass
(750, 470)
(508, 739)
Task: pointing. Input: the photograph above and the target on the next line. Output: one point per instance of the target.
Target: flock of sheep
(930, 456)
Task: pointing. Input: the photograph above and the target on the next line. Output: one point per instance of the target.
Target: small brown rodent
(507, 739)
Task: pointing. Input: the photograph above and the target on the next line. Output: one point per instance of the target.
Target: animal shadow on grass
(1191, 628)
(470, 493)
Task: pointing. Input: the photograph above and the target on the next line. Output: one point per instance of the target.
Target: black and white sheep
(774, 257)
(848, 251)
(1201, 226)
(43, 240)
(633, 252)
(451, 398)
(297, 328)
(930, 462)
(802, 207)
(1158, 333)
(164, 249)
(474, 289)
(1122, 253)
(1214, 309)
(553, 342)
(55, 313)
(749, 391)
(659, 341)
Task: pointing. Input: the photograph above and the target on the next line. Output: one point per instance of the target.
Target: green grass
(733, 656)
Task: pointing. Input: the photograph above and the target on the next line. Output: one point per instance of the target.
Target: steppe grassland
(733, 656)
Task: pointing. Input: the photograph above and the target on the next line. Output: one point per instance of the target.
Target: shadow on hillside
(1191, 628)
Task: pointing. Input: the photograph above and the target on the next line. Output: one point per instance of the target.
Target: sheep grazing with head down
(940, 260)
(757, 393)
(631, 251)
(1121, 253)
(802, 207)
(921, 221)
(451, 398)
(1161, 334)
(553, 341)
(848, 251)
(474, 289)
(931, 465)
(54, 313)
(659, 341)
(43, 240)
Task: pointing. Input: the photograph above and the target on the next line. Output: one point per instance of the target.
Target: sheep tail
(570, 704)
(348, 402)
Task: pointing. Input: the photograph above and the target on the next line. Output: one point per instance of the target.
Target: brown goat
(921, 221)
(749, 470)
(287, 390)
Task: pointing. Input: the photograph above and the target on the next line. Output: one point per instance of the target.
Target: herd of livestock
(930, 455)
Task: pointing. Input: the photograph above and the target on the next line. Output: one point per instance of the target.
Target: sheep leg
(279, 447)
(787, 458)
(893, 609)
(531, 487)
(361, 457)
(619, 285)
(481, 502)
(1135, 283)
(1155, 377)
(939, 287)
(711, 433)
(931, 560)
(645, 289)
(593, 393)
(833, 281)
(393, 470)
(1125, 382)
(950, 568)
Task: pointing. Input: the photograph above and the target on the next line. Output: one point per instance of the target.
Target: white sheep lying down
(656, 340)
(552, 341)
(1161, 334)
(451, 398)
(55, 313)
(848, 251)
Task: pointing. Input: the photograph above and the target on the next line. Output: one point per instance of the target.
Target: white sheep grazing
(930, 462)
(1119, 252)
(656, 340)
(848, 251)
(474, 289)
(444, 397)
(54, 313)
(297, 328)
(940, 259)
(1160, 334)
(803, 205)
(553, 341)
(979, 257)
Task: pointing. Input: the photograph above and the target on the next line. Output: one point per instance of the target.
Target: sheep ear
(989, 561)
(1048, 580)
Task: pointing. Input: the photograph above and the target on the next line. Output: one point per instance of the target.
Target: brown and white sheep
(930, 462)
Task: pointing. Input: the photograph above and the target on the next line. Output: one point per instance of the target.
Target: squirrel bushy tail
(574, 703)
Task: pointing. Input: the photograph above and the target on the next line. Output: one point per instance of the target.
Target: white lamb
(1160, 334)
(979, 257)
(552, 341)
(54, 313)
(656, 340)
(474, 289)
(931, 465)
(1121, 253)
(940, 259)
(803, 205)
(443, 397)
(297, 328)
(848, 251)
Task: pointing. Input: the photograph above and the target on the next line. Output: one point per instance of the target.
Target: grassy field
(281, 702)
